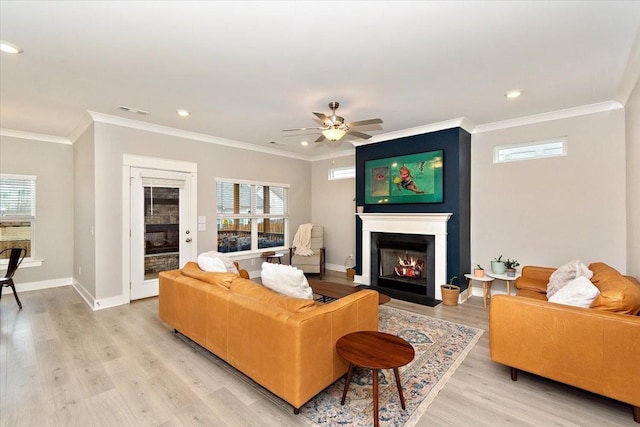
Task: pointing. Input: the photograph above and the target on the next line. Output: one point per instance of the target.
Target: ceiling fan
(335, 128)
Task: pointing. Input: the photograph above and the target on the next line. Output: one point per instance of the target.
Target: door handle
(188, 240)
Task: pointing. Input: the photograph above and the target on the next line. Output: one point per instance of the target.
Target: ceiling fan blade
(296, 129)
(358, 134)
(322, 117)
(321, 138)
(365, 122)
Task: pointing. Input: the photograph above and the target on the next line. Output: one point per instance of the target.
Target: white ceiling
(247, 70)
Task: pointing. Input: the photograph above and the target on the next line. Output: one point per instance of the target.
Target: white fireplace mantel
(409, 223)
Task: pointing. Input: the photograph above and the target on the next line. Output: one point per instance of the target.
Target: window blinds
(17, 196)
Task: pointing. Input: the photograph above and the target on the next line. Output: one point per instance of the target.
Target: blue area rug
(440, 347)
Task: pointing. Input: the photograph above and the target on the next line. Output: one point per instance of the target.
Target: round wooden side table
(374, 350)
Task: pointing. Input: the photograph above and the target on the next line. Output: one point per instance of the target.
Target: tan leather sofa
(596, 349)
(285, 344)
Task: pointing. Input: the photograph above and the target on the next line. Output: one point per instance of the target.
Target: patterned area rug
(440, 347)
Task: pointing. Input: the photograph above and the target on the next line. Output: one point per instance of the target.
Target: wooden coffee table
(374, 350)
(331, 291)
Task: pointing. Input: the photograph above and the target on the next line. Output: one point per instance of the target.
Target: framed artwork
(414, 178)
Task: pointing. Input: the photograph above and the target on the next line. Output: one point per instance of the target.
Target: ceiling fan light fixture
(333, 134)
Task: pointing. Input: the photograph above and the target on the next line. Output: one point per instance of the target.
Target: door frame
(129, 162)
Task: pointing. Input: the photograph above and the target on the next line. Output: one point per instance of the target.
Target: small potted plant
(497, 265)
(478, 271)
(510, 266)
(450, 292)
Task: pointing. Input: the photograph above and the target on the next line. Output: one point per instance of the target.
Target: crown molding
(552, 115)
(461, 122)
(166, 130)
(34, 136)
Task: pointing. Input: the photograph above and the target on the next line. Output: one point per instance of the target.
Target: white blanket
(302, 240)
(565, 274)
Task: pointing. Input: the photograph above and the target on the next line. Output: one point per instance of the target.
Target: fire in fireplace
(403, 262)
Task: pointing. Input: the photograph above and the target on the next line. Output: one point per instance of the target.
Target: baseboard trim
(101, 303)
(36, 286)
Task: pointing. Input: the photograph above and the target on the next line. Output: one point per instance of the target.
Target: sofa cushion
(617, 293)
(210, 261)
(579, 292)
(286, 280)
(249, 288)
(192, 270)
(565, 274)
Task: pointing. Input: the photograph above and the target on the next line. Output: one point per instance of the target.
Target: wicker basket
(450, 294)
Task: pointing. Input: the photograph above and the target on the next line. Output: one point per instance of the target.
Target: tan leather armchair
(593, 349)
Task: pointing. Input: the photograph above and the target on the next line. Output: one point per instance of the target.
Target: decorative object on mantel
(478, 271)
(497, 265)
(450, 292)
(360, 209)
(510, 266)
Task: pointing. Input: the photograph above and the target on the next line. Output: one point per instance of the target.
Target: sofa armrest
(590, 349)
(534, 278)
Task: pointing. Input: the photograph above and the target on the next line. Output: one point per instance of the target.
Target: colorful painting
(414, 178)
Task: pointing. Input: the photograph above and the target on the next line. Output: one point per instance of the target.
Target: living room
(543, 212)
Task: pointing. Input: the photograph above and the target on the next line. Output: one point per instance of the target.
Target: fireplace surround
(433, 229)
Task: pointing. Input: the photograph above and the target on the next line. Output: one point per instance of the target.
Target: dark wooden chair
(15, 259)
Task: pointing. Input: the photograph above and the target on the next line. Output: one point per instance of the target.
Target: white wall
(84, 269)
(113, 141)
(53, 232)
(334, 208)
(550, 211)
(632, 109)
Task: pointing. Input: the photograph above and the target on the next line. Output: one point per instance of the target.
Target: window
(251, 216)
(342, 173)
(17, 211)
(530, 150)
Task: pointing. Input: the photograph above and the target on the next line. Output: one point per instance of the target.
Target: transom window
(17, 212)
(251, 216)
(530, 150)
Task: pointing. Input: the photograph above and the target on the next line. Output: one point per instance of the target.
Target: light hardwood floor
(63, 365)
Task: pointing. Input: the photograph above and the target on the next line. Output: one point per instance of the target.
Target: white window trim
(241, 255)
(27, 262)
(348, 172)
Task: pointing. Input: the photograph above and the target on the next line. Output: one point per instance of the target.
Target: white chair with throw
(307, 252)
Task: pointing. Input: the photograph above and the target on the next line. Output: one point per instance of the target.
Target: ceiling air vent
(133, 110)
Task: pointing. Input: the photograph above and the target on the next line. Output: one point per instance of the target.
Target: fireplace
(391, 240)
(405, 262)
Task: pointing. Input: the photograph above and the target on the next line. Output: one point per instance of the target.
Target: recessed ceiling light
(304, 143)
(184, 113)
(10, 47)
(513, 94)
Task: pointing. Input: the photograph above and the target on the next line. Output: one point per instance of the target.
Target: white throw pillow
(579, 292)
(207, 263)
(565, 274)
(286, 280)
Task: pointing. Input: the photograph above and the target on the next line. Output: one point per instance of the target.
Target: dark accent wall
(456, 144)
